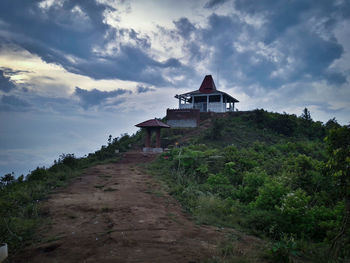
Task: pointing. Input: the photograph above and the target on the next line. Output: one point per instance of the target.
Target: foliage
(338, 142)
(278, 188)
(284, 249)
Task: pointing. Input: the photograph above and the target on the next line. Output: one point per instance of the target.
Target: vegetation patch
(282, 181)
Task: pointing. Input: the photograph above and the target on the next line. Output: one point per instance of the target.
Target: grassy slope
(242, 129)
(264, 173)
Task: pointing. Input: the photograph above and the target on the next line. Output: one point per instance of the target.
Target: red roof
(152, 123)
(208, 85)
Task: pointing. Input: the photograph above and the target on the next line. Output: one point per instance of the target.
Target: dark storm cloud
(312, 55)
(89, 98)
(143, 89)
(13, 103)
(69, 33)
(295, 41)
(5, 83)
(220, 35)
(214, 3)
(304, 31)
(143, 42)
(11, 72)
(184, 27)
(281, 15)
(336, 78)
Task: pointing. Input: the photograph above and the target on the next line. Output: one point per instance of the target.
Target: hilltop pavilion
(207, 98)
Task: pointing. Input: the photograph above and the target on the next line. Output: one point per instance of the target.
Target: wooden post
(207, 103)
(222, 103)
(158, 137)
(148, 138)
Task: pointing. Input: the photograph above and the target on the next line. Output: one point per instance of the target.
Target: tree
(7, 179)
(306, 115)
(109, 139)
(332, 124)
(338, 145)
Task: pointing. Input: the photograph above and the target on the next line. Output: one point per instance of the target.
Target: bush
(270, 195)
(38, 174)
(218, 179)
(264, 222)
(248, 191)
(296, 213)
(68, 160)
(7, 179)
(284, 250)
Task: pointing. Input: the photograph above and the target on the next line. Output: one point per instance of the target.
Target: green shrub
(296, 214)
(284, 250)
(270, 195)
(217, 179)
(248, 190)
(38, 174)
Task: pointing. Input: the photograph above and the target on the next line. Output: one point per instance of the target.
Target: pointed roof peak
(208, 85)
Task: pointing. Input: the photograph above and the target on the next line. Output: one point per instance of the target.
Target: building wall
(182, 123)
(185, 106)
(216, 107)
(211, 106)
(182, 118)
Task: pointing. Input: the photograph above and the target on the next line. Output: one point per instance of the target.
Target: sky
(72, 72)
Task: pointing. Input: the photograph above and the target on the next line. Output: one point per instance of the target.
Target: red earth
(117, 213)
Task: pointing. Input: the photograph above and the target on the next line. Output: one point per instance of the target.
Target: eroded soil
(116, 213)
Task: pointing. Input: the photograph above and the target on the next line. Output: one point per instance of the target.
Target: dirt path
(116, 213)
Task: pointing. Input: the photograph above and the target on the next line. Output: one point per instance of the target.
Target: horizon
(74, 72)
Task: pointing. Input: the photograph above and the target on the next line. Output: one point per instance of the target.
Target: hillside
(244, 128)
(265, 174)
(268, 174)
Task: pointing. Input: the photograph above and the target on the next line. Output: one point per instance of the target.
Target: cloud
(13, 103)
(75, 35)
(143, 89)
(89, 98)
(184, 27)
(294, 42)
(214, 3)
(5, 82)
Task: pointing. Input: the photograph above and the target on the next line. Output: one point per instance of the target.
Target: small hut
(150, 126)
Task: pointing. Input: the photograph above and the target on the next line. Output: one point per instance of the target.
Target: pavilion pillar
(158, 137)
(223, 107)
(148, 138)
(207, 103)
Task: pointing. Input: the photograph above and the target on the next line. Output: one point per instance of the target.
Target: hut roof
(208, 85)
(152, 123)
